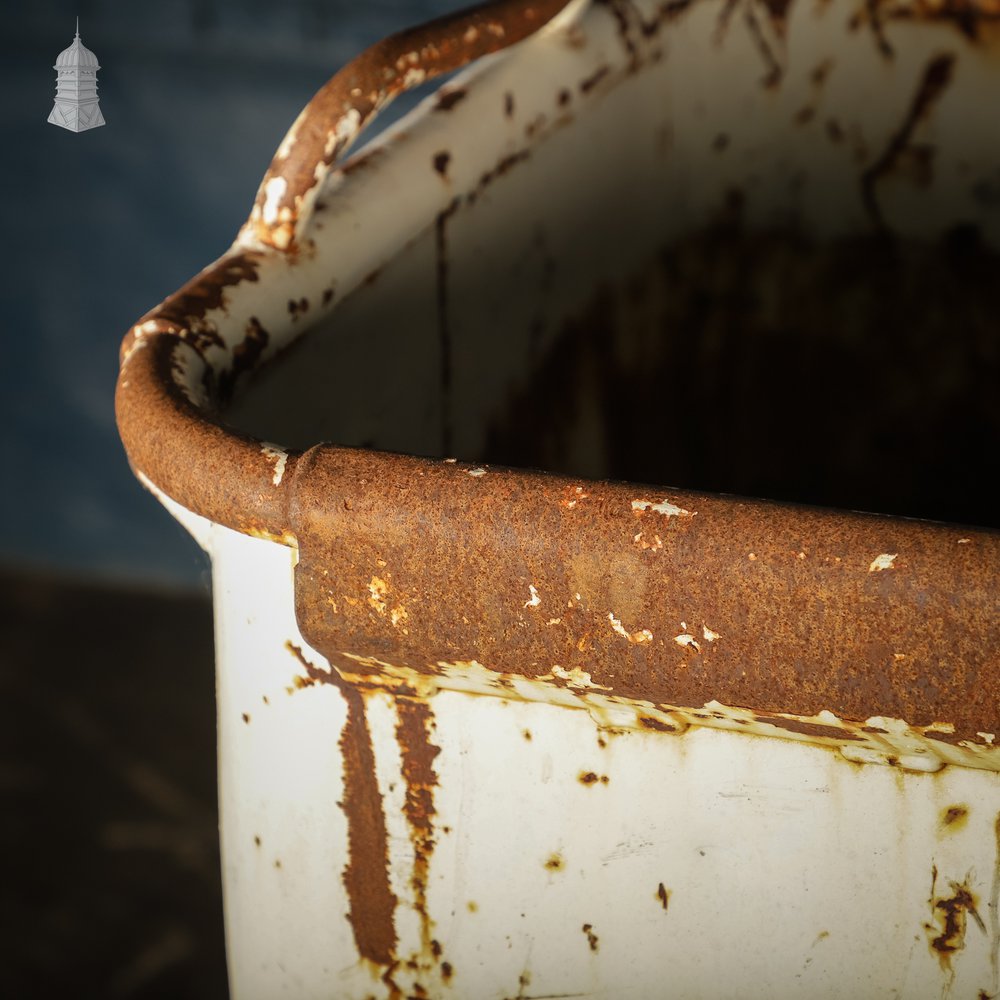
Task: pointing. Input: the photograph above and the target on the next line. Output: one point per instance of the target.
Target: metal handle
(332, 120)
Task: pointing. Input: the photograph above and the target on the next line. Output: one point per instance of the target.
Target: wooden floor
(109, 878)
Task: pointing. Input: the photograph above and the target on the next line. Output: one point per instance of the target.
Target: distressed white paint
(882, 562)
(664, 507)
(279, 456)
(274, 191)
(786, 869)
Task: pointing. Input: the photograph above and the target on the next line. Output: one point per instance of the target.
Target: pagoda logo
(76, 106)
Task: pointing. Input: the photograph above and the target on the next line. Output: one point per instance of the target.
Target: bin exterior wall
(523, 848)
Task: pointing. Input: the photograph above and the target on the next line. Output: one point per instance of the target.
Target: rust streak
(936, 77)
(366, 874)
(950, 914)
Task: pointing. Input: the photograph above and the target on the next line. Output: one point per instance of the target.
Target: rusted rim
(175, 365)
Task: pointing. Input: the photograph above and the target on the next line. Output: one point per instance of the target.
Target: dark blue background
(101, 225)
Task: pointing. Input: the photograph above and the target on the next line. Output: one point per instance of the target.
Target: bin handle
(163, 401)
(338, 112)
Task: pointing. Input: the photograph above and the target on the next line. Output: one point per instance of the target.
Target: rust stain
(587, 85)
(657, 725)
(447, 99)
(808, 728)
(366, 874)
(591, 778)
(592, 938)
(413, 734)
(949, 918)
(187, 308)
(663, 895)
(954, 817)
(994, 911)
(555, 863)
(443, 321)
(246, 356)
(441, 161)
(935, 79)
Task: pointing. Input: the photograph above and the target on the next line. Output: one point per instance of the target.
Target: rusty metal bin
(491, 732)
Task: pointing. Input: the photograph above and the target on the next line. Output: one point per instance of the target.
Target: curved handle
(332, 120)
(172, 357)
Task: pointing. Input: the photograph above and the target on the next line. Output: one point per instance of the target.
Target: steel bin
(492, 732)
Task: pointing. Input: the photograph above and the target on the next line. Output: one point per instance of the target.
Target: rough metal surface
(664, 596)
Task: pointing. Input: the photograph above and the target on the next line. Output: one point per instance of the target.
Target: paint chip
(638, 637)
(274, 191)
(709, 635)
(476, 472)
(686, 639)
(279, 456)
(883, 561)
(378, 588)
(664, 507)
(535, 599)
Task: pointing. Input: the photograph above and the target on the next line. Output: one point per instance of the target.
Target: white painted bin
(488, 733)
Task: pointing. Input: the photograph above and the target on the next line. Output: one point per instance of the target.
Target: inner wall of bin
(703, 291)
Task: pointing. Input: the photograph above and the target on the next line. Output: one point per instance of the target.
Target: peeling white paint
(638, 637)
(274, 191)
(709, 635)
(279, 456)
(290, 136)
(987, 737)
(575, 678)
(686, 639)
(476, 473)
(664, 507)
(883, 561)
(414, 77)
(377, 589)
(535, 599)
(964, 541)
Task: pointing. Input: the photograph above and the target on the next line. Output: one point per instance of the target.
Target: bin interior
(771, 291)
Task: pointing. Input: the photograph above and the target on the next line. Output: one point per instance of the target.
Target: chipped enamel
(882, 562)
(277, 455)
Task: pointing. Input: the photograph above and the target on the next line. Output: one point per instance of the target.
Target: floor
(109, 883)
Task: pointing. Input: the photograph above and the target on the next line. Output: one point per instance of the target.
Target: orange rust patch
(555, 863)
(949, 918)
(413, 734)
